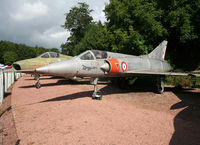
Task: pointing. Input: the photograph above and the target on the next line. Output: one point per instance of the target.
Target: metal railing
(7, 78)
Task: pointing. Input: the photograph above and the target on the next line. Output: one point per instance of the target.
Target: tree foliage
(182, 22)
(135, 25)
(77, 22)
(97, 37)
(11, 52)
(10, 57)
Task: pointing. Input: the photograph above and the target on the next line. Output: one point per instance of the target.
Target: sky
(38, 22)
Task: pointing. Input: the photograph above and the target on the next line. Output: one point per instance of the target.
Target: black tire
(38, 85)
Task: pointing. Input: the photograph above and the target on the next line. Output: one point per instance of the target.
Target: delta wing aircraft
(98, 64)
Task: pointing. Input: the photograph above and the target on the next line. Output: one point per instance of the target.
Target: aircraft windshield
(50, 55)
(87, 56)
(92, 54)
(45, 55)
(99, 54)
(54, 54)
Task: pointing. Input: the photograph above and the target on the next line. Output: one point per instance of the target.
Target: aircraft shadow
(186, 122)
(62, 82)
(70, 96)
(45, 78)
(107, 90)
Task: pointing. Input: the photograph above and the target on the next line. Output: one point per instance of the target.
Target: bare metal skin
(97, 64)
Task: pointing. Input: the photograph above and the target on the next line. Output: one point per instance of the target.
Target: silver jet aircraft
(98, 64)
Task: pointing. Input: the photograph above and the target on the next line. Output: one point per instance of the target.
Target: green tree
(10, 57)
(19, 51)
(54, 50)
(135, 25)
(182, 20)
(5, 46)
(25, 52)
(140, 25)
(97, 37)
(39, 50)
(77, 22)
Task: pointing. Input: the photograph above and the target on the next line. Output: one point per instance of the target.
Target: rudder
(159, 51)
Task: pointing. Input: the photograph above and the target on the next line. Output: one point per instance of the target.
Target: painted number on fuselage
(88, 68)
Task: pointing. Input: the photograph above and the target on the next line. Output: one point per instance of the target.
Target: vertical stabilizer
(159, 51)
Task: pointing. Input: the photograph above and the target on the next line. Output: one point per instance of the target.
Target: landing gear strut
(38, 85)
(36, 77)
(96, 94)
(160, 85)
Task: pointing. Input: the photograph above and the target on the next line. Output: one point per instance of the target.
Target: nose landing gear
(96, 94)
(38, 85)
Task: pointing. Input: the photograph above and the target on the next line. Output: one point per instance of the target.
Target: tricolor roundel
(124, 66)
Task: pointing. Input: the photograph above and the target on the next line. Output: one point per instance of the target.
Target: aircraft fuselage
(117, 65)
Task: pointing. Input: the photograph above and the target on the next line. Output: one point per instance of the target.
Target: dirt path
(64, 114)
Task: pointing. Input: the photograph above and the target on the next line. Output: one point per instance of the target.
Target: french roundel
(124, 66)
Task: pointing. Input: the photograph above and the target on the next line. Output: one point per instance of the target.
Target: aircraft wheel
(38, 85)
(97, 95)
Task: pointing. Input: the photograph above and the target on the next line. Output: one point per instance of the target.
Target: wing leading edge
(161, 73)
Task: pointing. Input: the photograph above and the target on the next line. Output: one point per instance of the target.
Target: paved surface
(61, 114)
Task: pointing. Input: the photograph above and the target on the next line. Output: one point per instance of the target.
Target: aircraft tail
(159, 51)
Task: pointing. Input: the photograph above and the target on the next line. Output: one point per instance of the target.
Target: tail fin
(159, 51)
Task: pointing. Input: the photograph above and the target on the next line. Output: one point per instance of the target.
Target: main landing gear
(160, 85)
(37, 85)
(96, 94)
(36, 76)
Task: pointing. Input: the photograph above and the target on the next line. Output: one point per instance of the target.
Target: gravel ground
(8, 133)
(62, 113)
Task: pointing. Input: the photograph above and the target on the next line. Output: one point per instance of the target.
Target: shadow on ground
(107, 90)
(45, 78)
(186, 122)
(138, 87)
(70, 97)
(63, 82)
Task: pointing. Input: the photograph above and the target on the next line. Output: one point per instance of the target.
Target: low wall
(7, 78)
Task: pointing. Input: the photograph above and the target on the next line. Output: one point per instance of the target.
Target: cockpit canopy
(50, 55)
(93, 54)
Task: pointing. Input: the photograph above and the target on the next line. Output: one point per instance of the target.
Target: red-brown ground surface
(62, 113)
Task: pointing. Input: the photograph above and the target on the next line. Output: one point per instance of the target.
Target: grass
(177, 81)
(183, 81)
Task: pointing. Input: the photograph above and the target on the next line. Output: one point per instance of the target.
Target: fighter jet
(43, 59)
(99, 64)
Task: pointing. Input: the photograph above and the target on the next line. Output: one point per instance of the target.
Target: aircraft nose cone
(43, 69)
(63, 68)
(105, 67)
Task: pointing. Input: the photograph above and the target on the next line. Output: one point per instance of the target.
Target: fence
(7, 78)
